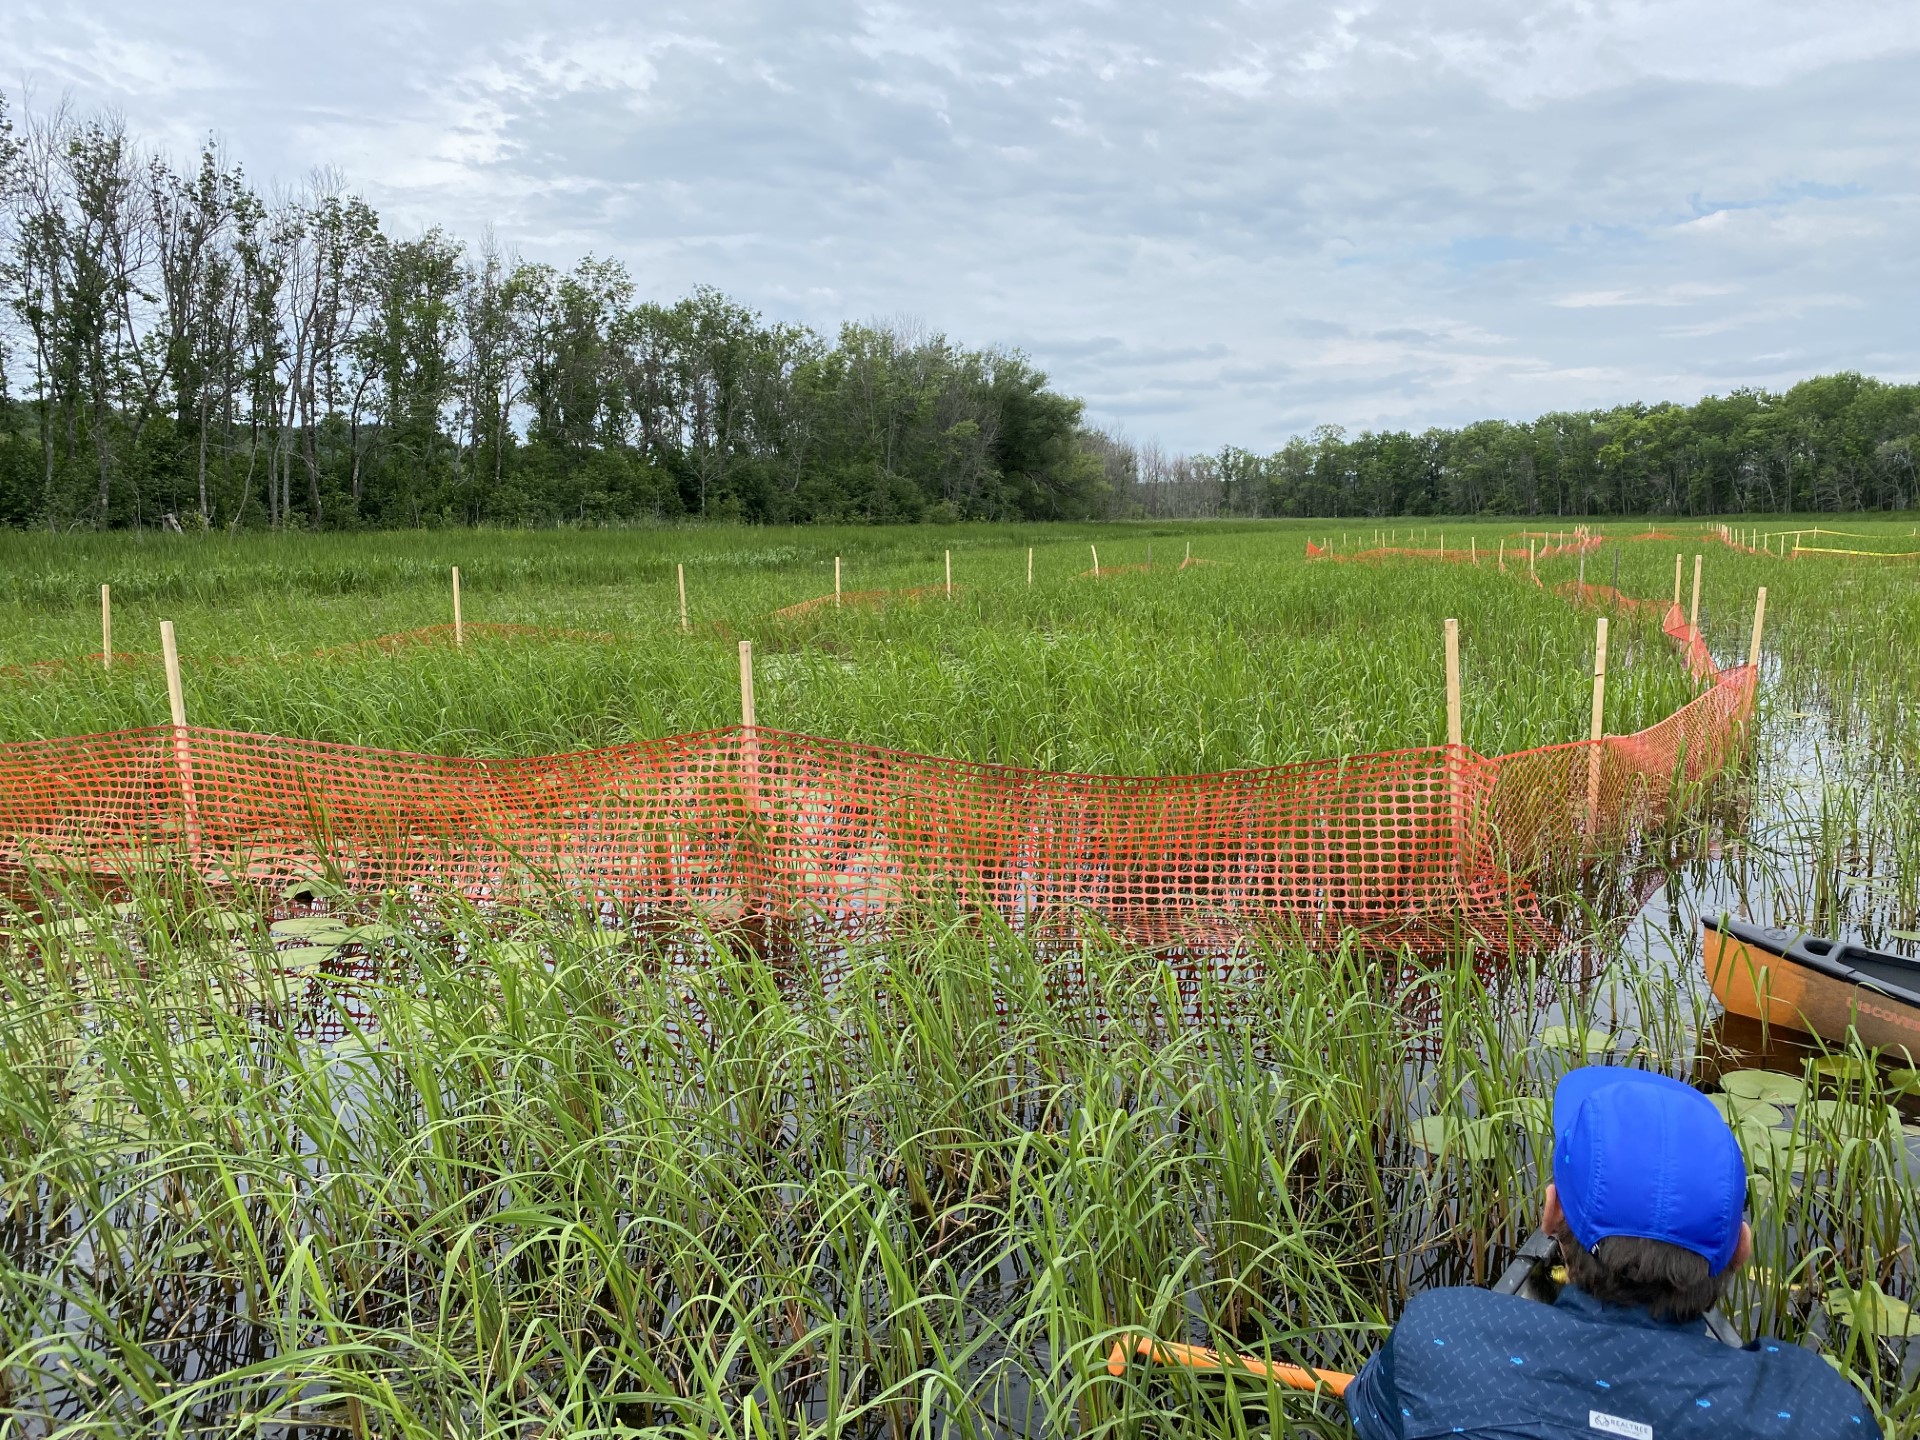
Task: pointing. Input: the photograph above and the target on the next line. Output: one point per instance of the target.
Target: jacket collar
(1573, 1298)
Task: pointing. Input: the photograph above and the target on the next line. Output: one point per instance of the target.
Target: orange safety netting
(864, 599)
(1455, 555)
(1420, 846)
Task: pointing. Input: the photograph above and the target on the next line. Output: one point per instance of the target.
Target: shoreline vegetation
(181, 347)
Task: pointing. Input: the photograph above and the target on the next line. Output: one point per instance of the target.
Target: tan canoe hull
(1775, 990)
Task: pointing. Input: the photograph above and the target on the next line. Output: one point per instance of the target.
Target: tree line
(178, 348)
(1835, 442)
(185, 350)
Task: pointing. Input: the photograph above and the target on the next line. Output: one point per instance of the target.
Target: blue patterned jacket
(1473, 1363)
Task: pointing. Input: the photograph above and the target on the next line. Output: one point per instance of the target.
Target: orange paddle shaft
(1198, 1357)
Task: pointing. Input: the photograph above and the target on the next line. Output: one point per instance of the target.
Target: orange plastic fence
(1454, 555)
(1420, 846)
(865, 599)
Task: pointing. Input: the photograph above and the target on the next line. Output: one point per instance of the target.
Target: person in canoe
(1647, 1203)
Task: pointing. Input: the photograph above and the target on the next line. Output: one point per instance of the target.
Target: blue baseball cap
(1641, 1155)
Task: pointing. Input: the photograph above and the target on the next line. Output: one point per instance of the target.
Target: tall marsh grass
(531, 1177)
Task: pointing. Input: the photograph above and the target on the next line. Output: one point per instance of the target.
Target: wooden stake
(1599, 675)
(1029, 564)
(182, 746)
(1503, 554)
(1473, 548)
(106, 627)
(459, 635)
(836, 582)
(1096, 560)
(949, 574)
(747, 717)
(1599, 714)
(1693, 614)
(1582, 591)
(1453, 682)
(683, 595)
(1530, 571)
(1759, 619)
(170, 657)
(1676, 579)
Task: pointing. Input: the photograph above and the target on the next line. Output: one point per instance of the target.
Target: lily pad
(1443, 1135)
(1581, 1042)
(1841, 1067)
(1759, 1112)
(1849, 1116)
(1768, 1085)
(1532, 1113)
(1871, 1311)
(311, 927)
(523, 951)
(1769, 1149)
(305, 957)
(45, 931)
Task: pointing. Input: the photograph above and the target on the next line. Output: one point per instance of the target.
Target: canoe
(1819, 987)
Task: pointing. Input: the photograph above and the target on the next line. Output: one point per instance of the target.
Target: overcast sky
(1216, 222)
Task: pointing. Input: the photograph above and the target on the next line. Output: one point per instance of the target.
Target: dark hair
(1674, 1283)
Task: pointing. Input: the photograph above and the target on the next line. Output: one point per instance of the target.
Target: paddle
(1198, 1357)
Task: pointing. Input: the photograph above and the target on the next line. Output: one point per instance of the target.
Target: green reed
(575, 1182)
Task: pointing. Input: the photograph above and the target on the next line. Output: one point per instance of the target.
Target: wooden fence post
(1453, 682)
(1597, 731)
(747, 716)
(1693, 614)
(836, 582)
(1676, 579)
(1759, 619)
(182, 745)
(106, 627)
(1029, 564)
(949, 574)
(682, 569)
(170, 657)
(459, 634)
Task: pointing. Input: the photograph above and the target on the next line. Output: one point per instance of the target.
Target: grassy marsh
(525, 1174)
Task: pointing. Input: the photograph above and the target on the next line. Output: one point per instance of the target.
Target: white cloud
(1268, 217)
